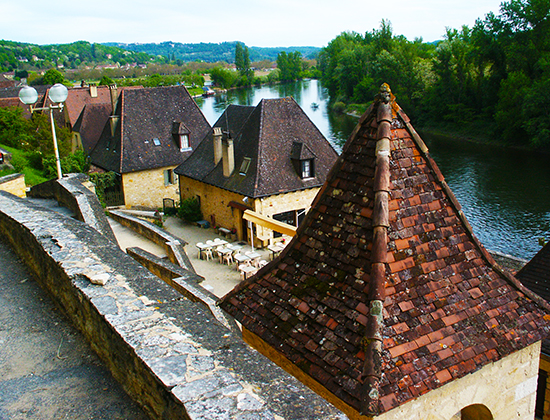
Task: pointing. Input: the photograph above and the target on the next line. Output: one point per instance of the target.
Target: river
(504, 193)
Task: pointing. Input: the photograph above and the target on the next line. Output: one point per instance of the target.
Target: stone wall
(77, 193)
(214, 203)
(14, 184)
(174, 247)
(146, 188)
(507, 388)
(171, 354)
(545, 365)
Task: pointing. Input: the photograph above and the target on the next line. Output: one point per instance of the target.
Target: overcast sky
(263, 23)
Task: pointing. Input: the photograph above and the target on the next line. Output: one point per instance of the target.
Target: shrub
(190, 210)
(35, 160)
(339, 107)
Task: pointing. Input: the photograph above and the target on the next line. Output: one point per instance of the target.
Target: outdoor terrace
(219, 278)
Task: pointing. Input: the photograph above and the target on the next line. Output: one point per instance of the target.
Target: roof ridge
(372, 341)
(260, 144)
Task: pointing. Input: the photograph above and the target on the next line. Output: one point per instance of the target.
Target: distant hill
(210, 52)
(23, 56)
(19, 55)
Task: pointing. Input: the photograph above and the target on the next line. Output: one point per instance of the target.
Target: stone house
(535, 275)
(385, 303)
(152, 131)
(270, 159)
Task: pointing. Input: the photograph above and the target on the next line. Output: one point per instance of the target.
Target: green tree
(289, 65)
(106, 81)
(222, 77)
(52, 76)
(242, 63)
(15, 130)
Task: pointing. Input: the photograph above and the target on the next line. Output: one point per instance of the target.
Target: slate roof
(266, 134)
(535, 275)
(91, 122)
(448, 309)
(145, 115)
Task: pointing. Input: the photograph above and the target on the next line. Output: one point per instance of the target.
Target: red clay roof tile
(443, 292)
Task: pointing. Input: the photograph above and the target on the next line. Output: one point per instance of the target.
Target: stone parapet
(171, 354)
(83, 202)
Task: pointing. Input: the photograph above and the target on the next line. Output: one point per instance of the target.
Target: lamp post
(58, 94)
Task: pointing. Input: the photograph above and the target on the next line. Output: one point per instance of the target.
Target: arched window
(476, 412)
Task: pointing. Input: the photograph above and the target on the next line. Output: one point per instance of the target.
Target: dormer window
(303, 160)
(181, 133)
(184, 142)
(244, 166)
(307, 168)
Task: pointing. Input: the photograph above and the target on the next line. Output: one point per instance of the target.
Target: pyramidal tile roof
(385, 293)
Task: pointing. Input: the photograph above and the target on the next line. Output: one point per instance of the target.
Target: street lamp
(58, 94)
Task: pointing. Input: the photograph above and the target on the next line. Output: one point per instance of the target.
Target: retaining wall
(174, 247)
(171, 354)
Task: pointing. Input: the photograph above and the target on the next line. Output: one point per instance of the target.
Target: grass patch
(19, 158)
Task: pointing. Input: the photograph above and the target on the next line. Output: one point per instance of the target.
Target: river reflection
(505, 194)
(336, 128)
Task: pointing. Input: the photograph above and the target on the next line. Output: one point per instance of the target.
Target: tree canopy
(496, 73)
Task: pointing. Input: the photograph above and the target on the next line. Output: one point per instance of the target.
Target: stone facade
(506, 388)
(215, 205)
(14, 184)
(147, 188)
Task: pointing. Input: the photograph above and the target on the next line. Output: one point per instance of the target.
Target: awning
(269, 223)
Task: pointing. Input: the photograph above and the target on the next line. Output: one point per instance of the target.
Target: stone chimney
(228, 155)
(114, 97)
(217, 144)
(93, 91)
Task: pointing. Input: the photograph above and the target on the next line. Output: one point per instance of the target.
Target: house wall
(279, 203)
(507, 388)
(14, 184)
(214, 202)
(147, 189)
(545, 365)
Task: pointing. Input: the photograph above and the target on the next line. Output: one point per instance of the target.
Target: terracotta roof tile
(447, 308)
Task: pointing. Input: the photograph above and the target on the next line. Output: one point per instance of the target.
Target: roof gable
(266, 135)
(90, 124)
(382, 300)
(144, 138)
